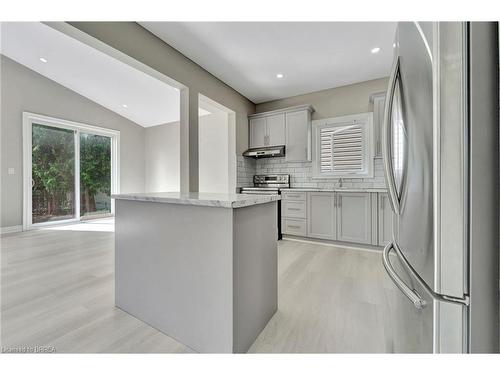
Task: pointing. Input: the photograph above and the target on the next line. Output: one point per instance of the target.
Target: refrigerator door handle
(464, 301)
(386, 138)
(411, 294)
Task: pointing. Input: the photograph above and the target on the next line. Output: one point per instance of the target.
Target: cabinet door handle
(294, 226)
(293, 209)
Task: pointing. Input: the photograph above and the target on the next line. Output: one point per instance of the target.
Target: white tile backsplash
(245, 169)
(301, 174)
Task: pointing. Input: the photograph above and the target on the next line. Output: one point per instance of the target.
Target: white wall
(339, 101)
(335, 102)
(25, 90)
(135, 41)
(214, 152)
(162, 157)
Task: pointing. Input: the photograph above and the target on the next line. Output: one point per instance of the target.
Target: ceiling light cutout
(375, 50)
(43, 59)
(279, 75)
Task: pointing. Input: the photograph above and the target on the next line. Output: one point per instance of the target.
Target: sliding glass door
(70, 170)
(53, 174)
(95, 175)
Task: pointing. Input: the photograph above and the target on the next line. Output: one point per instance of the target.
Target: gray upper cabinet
(257, 132)
(267, 130)
(378, 100)
(298, 136)
(385, 219)
(354, 217)
(290, 127)
(276, 129)
(321, 215)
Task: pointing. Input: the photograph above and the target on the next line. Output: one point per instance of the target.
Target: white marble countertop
(200, 199)
(348, 190)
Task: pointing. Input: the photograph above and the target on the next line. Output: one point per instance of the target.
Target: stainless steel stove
(269, 184)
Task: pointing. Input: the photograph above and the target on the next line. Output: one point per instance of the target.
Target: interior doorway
(216, 147)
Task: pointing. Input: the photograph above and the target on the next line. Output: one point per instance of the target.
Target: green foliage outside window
(53, 173)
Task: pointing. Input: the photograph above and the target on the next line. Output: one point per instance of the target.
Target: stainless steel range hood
(265, 152)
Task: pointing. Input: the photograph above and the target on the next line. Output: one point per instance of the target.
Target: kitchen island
(200, 267)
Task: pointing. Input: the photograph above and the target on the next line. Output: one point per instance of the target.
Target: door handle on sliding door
(386, 138)
(410, 293)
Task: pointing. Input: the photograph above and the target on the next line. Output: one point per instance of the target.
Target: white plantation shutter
(348, 150)
(342, 148)
(326, 150)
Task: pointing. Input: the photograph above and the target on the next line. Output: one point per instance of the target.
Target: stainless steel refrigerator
(441, 159)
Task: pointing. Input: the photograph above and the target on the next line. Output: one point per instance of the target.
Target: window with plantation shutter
(343, 146)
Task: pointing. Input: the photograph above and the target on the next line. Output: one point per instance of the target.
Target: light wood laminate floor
(58, 290)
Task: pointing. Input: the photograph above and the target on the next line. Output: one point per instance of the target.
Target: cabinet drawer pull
(294, 196)
(294, 226)
(293, 209)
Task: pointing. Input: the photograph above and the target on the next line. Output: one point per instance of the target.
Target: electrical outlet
(11, 171)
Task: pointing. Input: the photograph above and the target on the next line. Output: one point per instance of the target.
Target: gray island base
(201, 268)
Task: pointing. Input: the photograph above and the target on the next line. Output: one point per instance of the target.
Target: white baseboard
(369, 248)
(13, 229)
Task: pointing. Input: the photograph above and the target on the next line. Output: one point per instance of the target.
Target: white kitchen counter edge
(347, 190)
(200, 199)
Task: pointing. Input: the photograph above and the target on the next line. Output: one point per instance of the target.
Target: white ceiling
(312, 55)
(91, 73)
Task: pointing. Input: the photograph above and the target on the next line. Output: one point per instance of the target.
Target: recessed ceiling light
(375, 50)
(279, 75)
(42, 59)
(124, 105)
(393, 45)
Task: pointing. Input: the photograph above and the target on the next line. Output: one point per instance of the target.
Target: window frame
(32, 118)
(366, 121)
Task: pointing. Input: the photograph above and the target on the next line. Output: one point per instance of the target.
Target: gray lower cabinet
(385, 219)
(354, 217)
(294, 213)
(321, 215)
(295, 227)
(293, 209)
